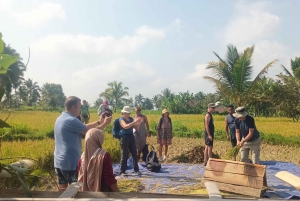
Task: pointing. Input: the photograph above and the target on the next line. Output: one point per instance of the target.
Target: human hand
(107, 120)
(148, 134)
(210, 137)
(228, 138)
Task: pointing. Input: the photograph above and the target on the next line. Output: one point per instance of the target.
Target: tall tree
(52, 96)
(33, 91)
(139, 100)
(115, 92)
(156, 100)
(295, 66)
(148, 105)
(233, 75)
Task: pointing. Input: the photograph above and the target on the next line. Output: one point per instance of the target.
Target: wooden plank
(235, 168)
(237, 179)
(243, 190)
(213, 191)
(71, 191)
(289, 178)
(237, 162)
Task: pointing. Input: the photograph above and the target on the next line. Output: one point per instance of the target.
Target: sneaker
(137, 172)
(165, 158)
(160, 159)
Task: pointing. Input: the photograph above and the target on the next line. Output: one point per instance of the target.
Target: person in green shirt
(85, 114)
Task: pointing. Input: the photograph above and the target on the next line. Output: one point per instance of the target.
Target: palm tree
(33, 90)
(139, 100)
(115, 92)
(232, 77)
(167, 94)
(295, 66)
(156, 100)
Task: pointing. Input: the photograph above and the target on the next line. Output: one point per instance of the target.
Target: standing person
(127, 141)
(85, 114)
(247, 136)
(67, 135)
(95, 165)
(230, 123)
(142, 133)
(209, 132)
(102, 107)
(164, 133)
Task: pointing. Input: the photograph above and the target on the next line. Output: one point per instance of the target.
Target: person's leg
(132, 149)
(245, 154)
(160, 150)
(166, 151)
(124, 154)
(139, 154)
(205, 155)
(86, 120)
(62, 182)
(233, 144)
(255, 148)
(209, 151)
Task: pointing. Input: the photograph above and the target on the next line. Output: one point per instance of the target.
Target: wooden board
(243, 190)
(236, 167)
(289, 178)
(235, 179)
(71, 191)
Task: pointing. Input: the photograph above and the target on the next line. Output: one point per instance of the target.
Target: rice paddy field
(32, 132)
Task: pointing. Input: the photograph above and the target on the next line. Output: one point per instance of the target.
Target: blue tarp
(176, 176)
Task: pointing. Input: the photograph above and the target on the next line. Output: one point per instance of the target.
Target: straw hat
(126, 109)
(165, 111)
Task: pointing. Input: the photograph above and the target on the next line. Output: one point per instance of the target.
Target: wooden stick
(289, 178)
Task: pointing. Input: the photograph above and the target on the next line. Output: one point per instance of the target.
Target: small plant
(232, 153)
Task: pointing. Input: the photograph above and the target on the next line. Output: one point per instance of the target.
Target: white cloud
(251, 22)
(69, 44)
(39, 13)
(200, 71)
(177, 23)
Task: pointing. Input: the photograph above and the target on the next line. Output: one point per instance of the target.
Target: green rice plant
(232, 153)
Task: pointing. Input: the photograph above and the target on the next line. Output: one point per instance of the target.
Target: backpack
(116, 129)
(145, 152)
(152, 163)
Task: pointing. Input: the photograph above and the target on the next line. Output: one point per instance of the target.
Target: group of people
(93, 167)
(240, 130)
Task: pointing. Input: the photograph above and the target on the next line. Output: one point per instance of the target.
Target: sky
(146, 45)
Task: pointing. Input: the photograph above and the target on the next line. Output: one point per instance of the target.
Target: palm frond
(232, 56)
(286, 70)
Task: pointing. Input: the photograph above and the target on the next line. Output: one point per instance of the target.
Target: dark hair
(230, 106)
(84, 101)
(164, 113)
(137, 108)
(71, 101)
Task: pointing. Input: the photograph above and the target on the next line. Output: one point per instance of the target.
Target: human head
(230, 109)
(240, 113)
(211, 107)
(84, 102)
(126, 111)
(138, 110)
(94, 139)
(105, 103)
(165, 113)
(73, 105)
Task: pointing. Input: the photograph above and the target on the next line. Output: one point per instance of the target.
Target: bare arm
(251, 132)
(146, 122)
(207, 119)
(95, 124)
(226, 127)
(126, 126)
(238, 135)
(114, 187)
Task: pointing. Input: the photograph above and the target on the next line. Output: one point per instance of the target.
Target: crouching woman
(96, 170)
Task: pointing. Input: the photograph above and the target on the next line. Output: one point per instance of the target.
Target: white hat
(240, 112)
(126, 109)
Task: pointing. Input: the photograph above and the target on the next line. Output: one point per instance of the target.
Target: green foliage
(52, 96)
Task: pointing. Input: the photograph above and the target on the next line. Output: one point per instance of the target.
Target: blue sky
(147, 45)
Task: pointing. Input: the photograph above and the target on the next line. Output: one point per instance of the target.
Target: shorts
(233, 142)
(66, 176)
(207, 141)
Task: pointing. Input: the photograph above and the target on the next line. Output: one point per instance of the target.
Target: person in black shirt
(209, 132)
(247, 136)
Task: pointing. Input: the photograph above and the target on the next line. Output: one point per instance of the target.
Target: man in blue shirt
(247, 136)
(229, 123)
(68, 131)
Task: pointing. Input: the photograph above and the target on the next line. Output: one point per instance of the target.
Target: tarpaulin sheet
(177, 176)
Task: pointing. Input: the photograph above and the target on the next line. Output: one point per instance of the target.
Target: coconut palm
(115, 92)
(33, 90)
(156, 100)
(232, 76)
(139, 100)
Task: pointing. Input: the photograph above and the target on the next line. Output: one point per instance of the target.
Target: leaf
(1, 44)
(39, 173)
(5, 61)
